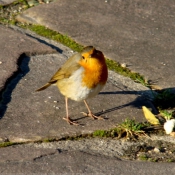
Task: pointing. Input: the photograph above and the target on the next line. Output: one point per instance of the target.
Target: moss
(9, 12)
(112, 65)
(53, 35)
(21, 2)
(170, 160)
(101, 133)
(153, 159)
(5, 144)
(143, 157)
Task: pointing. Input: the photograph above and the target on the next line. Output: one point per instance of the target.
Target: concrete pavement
(125, 32)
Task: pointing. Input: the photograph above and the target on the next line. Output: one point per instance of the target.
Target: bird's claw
(92, 116)
(71, 122)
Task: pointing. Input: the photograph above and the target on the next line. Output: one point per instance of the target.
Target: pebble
(0, 62)
(172, 134)
(156, 150)
(32, 3)
(47, 1)
(163, 63)
(123, 65)
(169, 125)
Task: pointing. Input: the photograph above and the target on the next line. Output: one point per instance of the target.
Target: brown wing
(70, 66)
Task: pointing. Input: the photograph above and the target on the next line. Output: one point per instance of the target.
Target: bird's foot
(92, 115)
(70, 121)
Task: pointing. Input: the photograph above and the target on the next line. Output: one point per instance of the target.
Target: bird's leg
(90, 114)
(67, 118)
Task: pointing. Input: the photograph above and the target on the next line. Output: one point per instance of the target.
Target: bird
(81, 77)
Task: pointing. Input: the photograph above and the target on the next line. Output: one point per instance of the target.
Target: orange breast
(95, 72)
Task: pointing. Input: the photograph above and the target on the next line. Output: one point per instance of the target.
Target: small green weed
(166, 114)
(132, 128)
(143, 157)
(132, 125)
(129, 129)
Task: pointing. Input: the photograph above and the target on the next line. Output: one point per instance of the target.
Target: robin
(81, 77)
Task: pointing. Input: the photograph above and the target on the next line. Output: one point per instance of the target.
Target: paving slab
(27, 115)
(13, 44)
(50, 158)
(139, 33)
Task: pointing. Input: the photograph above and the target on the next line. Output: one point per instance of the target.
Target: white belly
(72, 87)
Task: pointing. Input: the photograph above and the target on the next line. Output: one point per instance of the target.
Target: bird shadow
(141, 100)
(144, 98)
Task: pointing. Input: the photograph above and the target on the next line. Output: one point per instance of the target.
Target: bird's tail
(44, 87)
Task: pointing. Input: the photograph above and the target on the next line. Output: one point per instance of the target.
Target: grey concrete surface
(137, 31)
(132, 32)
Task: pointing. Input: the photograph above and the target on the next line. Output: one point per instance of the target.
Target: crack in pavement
(6, 92)
(45, 155)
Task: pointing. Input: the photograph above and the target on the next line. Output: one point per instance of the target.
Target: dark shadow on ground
(164, 99)
(5, 94)
(46, 43)
(144, 99)
(137, 103)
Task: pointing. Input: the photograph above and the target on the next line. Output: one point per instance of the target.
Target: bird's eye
(83, 57)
